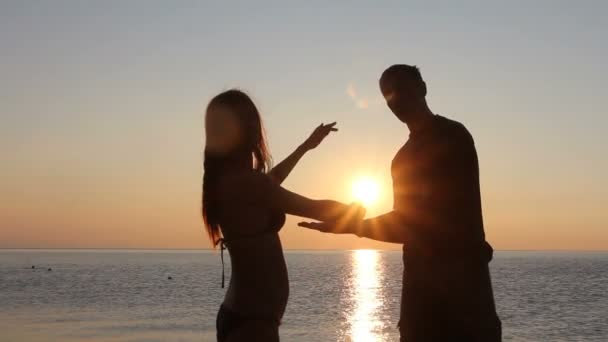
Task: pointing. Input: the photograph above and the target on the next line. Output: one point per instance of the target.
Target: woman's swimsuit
(229, 320)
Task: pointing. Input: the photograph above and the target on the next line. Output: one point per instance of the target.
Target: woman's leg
(232, 326)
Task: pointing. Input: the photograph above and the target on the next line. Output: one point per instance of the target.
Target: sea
(352, 295)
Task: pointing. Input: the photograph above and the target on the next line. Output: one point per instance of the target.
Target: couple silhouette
(447, 292)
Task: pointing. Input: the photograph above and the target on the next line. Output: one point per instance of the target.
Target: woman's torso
(259, 284)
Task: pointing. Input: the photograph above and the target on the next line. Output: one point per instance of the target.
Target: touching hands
(318, 135)
(348, 223)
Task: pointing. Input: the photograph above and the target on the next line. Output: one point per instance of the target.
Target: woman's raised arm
(284, 168)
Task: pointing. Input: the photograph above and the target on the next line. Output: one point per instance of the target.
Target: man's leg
(422, 317)
(472, 307)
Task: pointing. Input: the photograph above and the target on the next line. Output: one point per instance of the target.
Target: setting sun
(366, 190)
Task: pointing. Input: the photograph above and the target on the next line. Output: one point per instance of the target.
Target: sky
(102, 105)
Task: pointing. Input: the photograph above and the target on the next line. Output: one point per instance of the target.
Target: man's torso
(436, 181)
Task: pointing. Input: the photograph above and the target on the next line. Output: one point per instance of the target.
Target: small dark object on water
(50, 269)
(169, 277)
(33, 266)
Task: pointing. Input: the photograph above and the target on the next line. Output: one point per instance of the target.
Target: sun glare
(366, 190)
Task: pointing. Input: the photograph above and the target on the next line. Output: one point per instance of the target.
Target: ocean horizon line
(285, 249)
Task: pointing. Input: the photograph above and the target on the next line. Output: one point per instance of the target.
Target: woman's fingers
(319, 134)
(329, 128)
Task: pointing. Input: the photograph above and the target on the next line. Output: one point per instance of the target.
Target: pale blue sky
(102, 105)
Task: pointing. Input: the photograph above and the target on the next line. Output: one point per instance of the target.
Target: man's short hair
(399, 72)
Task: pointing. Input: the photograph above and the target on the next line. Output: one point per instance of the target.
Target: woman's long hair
(252, 145)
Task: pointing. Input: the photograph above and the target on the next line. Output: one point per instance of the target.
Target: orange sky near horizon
(102, 112)
(152, 211)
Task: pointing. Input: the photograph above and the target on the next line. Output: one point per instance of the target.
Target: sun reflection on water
(365, 322)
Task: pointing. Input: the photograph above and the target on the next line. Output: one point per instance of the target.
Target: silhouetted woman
(244, 208)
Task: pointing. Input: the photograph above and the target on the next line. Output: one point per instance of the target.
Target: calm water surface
(125, 295)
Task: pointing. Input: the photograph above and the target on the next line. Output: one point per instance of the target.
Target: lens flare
(366, 190)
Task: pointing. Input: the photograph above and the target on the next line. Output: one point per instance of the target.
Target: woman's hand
(282, 170)
(318, 135)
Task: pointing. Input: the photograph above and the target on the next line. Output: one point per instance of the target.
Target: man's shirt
(436, 191)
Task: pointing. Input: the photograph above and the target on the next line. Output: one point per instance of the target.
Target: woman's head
(233, 128)
(234, 139)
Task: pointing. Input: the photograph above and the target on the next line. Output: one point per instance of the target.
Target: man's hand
(318, 135)
(337, 227)
(349, 223)
(323, 227)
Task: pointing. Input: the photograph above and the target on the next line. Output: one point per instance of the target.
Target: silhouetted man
(447, 293)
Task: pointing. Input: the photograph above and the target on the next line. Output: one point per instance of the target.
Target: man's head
(404, 90)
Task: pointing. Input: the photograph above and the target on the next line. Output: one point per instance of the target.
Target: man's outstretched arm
(387, 227)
